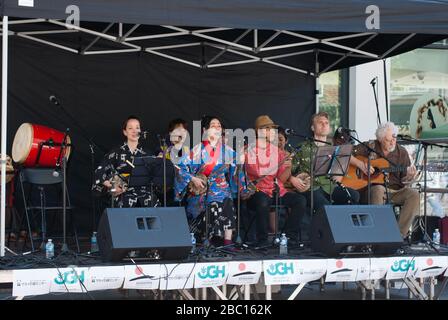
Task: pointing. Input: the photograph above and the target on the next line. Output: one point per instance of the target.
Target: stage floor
(259, 273)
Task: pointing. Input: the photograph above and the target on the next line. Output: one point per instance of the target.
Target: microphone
(143, 134)
(373, 81)
(342, 130)
(54, 100)
(290, 131)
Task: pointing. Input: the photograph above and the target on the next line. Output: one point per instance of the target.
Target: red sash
(214, 154)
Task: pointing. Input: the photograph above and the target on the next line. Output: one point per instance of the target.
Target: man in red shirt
(268, 168)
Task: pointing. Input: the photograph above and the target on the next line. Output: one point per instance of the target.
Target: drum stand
(61, 163)
(43, 217)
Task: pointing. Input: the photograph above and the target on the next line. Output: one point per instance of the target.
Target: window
(333, 97)
(418, 80)
(418, 105)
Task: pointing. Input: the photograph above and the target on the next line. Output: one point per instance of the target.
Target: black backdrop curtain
(101, 91)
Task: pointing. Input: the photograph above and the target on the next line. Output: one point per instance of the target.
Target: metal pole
(363, 290)
(268, 292)
(311, 149)
(247, 292)
(3, 133)
(385, 90)
(387, 287)
(165, 148)
(196, 294)
(64, 202)
(432, 282)
(425, 195)
(322, 284)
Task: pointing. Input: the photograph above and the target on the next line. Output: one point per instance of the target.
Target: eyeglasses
(394, 138)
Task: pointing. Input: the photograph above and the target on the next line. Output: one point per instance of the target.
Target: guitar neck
(431, 168)
(397, 169)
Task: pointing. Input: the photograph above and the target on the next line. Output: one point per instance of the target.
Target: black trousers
(261, 204)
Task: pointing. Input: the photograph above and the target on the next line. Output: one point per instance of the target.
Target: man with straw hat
(267, 169)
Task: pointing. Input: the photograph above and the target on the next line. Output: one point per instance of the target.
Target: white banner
(363, 269)
(244, 272)
(342, 270)
(279, 272)
(105, 278)
(309, 270)
(401, 267)
(146, 276)
(31, 282)
(378, 268)
(69, 279)
(26, 3)
(430, 266)
(210, 274)
(176, 276)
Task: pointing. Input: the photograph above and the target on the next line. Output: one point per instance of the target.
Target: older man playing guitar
(400, 175)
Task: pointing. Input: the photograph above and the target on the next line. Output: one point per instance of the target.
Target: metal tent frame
(259, 51)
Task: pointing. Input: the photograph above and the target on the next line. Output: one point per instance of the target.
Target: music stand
(331, 161)
(142, 173)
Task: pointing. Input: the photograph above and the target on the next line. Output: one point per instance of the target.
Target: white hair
(383, 128)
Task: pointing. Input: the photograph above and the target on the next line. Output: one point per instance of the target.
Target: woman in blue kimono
(208, 181)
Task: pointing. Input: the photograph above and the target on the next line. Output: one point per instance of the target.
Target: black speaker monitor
(144, 233)
(337, 230)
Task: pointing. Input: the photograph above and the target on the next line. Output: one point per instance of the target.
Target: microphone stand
(206, 243)
(425, 145)
(238, 240)
(373, 83)
(164, 147)
(62, 159)
(277, 197)
(92, 146)
(311, 141)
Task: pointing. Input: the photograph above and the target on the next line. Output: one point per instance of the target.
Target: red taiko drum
(27, 141)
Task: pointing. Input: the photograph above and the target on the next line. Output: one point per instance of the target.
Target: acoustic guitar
(356, 179)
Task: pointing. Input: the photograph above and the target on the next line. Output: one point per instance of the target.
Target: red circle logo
(429, 262)
(138, 271)
(242, 266)
(339, 264)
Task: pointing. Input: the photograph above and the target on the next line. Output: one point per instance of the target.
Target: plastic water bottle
(193, 242)
(436, 238)
(283, 245)
(49, 249)
(93, 243)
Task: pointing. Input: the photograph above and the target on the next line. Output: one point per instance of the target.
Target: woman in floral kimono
(208, 181)
(117, 165)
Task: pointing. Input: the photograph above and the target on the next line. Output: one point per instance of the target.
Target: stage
(230, 275)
